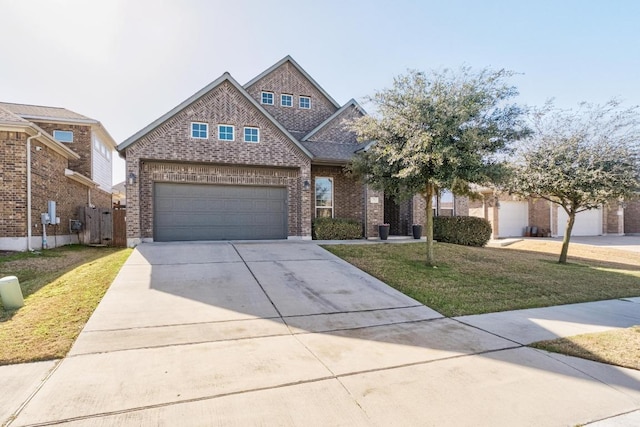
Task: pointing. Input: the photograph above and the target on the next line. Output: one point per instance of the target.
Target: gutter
(29, 248)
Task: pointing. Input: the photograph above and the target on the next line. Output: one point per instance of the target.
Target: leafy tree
(438, 130)
(579, 159)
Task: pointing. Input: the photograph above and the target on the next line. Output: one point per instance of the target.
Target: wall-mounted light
(132, 178)
(306, 185)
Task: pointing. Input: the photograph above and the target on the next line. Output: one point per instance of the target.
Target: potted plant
(417, 231)
(383, 231)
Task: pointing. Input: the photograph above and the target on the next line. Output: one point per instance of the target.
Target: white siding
(101, 159)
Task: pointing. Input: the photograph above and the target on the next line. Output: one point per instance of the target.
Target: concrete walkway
(282, 333)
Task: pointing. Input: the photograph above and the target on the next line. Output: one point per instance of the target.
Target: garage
(185, 212)
(588, 223)
(514, 217)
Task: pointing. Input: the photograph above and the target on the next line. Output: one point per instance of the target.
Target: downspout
(29, 248)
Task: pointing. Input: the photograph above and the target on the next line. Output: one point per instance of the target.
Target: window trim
(282, 95)
(233, 133)
(62, 140)
(273, 97)
(206, 130)
(315, 196)
(300, 102)
(244, 134)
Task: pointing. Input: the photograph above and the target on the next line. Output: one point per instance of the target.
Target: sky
(128, 62)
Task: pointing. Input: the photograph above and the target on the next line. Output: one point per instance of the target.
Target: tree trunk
(567, 236)
(428, 195)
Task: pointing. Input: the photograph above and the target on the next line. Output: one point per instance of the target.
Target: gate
(103, 227)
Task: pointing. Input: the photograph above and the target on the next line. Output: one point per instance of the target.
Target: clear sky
(127, 62)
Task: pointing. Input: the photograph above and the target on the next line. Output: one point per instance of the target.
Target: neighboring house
(119, 195)
(49, 154)
(258, 161)
(514, 217)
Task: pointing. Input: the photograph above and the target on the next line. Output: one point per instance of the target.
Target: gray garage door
(219, 212)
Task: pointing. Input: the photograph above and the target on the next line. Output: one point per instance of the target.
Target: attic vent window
(63, 135)
(305, 102)
(199, 130)
(286, 100)
(267, 98)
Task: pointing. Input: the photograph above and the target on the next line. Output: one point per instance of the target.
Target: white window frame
(282, 95)
(300, 102)
(59, 131)
(315, 196)
(233, 131)
(273, 98)
(206, 130)
(244, 134)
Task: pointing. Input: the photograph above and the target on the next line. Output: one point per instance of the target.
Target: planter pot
(417, 231)
(383, 231)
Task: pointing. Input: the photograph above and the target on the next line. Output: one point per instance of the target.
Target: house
(253, 161)
(52, 161)
(514, 217)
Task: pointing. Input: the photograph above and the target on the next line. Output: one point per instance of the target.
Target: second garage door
(219, 212)
(588, 223)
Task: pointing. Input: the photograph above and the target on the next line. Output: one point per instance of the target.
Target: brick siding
(81, 145)
(347, 192)
(632, 217)
(288, 80)
(13, 184)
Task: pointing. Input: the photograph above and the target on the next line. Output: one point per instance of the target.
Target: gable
(337, 128)
(169, 138)
(287, 77)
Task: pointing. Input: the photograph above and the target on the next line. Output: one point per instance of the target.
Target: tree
(441, 130)
(579, 159)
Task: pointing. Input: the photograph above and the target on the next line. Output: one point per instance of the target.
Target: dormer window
(267, 98)
(286, 100)
(63, 135)
(305, 102)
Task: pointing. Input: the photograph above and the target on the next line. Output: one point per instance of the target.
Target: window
(305, 102)
(324, 197)
(286, 100)
(63, 135)
(251, 134)
(199, 130)
(267, 98)
(225, 133)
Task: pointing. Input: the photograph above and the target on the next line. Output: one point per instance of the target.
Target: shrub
(336, 229)
(462, 230)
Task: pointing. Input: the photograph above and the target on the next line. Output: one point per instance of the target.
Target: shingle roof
(8, 117)
(45, 113)
(331, 151)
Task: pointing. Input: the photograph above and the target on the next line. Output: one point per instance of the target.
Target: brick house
(49, 154)
(510, 216)
(258, 161)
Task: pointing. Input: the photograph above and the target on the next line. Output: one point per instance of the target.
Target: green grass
(61, 287)
(482, 280)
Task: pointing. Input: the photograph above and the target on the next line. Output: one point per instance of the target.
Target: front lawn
(62, 287)
(471, 280)
(617, 347)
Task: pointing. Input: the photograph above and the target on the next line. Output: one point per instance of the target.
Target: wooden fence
(103, 227)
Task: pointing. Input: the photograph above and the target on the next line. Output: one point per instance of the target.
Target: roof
(351, 103)
(13, 121)
(331, 151)
(7, 117)
(289, 59)
(36, 112)
(28, 112)
(226, 77)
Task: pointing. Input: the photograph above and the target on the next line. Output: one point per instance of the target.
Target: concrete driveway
(284, 333)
